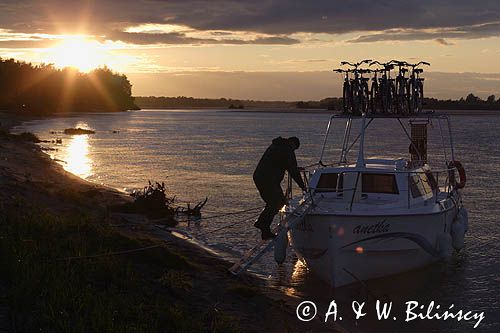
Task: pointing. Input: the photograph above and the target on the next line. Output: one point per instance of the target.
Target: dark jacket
(277, 159)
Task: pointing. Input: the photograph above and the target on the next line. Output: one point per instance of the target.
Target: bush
(153, 202)
(28, 137)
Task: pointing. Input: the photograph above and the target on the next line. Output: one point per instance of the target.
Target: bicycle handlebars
(388, 66)
(355, 65)
(398, 63)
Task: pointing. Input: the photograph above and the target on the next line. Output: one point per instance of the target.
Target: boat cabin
(379, 182)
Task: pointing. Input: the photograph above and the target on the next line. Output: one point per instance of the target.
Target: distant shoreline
(324, 111)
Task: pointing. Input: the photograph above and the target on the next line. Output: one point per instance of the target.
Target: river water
(212, 153)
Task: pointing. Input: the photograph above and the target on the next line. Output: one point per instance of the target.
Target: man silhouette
(278, 158)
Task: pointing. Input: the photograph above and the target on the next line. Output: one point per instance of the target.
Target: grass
(141, 292)
(27, 136)
(24, 136)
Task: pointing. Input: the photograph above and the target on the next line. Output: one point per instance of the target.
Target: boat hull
(343, 249)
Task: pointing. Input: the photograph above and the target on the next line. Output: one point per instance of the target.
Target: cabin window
(420, 185)
(379, 183)
(328, 182)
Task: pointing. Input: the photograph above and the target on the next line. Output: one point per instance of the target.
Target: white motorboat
(378, 217)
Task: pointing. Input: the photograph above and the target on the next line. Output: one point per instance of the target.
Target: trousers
(273, 196)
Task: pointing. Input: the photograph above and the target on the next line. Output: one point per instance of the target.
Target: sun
(78, 52)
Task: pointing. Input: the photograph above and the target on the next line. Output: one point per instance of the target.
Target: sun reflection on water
(298, 274)
(76, 157)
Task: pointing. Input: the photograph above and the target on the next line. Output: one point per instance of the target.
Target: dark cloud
(142, 38)
(26, 44)
(464, 32)
(399, 20)
(442, 41)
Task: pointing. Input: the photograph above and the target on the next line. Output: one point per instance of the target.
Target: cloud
(439, 35)
(27, 44)
(390, 20)
(442, 41)
(143, 38)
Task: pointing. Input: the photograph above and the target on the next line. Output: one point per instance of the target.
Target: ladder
(292, 219)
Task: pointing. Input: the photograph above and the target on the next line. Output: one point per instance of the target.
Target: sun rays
(78, 52)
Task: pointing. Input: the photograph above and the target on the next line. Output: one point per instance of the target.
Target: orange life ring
(461, 173)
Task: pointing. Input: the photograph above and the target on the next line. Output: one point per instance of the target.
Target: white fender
(463, 215)
(444, 247)
(280, 245)
(457, 234)
(459, 227)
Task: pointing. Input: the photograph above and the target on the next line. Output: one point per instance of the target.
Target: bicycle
(346, 90)
(415, 88)
(385, 90)
(365, 92)
(401, 97)
(358, 88)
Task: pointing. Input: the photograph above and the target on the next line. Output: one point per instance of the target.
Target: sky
(267, 50)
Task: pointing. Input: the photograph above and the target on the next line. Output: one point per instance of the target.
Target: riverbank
(72, 265)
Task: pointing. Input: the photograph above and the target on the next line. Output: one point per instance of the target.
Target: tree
(472, 99)
(490, 99)
(45, 89)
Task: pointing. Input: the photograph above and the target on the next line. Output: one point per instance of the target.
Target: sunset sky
(271, 50)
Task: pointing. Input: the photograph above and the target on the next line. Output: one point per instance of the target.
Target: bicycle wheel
(392, 98)
(346, 97)
(412, 103)
(384, 97)
(356, 98)
(374, 98)
(400, 96)
(420, 96)
(365, 96)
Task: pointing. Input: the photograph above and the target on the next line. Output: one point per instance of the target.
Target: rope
(227, 226)
(205, 210)
(160, 245)
(112, 253)
(233, 213)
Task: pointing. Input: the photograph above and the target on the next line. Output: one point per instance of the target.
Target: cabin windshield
(328, 182)
(371, 183)
(379, 183)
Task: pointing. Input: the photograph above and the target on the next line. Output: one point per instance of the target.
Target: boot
(267, 234)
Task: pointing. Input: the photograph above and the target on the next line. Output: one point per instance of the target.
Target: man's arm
(294, 171)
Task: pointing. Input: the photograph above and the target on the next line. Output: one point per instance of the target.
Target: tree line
(154, 102)
(471, 102)
(44, 89)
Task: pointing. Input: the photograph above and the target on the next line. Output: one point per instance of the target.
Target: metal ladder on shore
(253, 254)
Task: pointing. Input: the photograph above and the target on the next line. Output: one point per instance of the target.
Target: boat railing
(347, 145)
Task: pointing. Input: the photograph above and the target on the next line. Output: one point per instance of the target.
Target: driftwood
(195, 211)
(153, 203)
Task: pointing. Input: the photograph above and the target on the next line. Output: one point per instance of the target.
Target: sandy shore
(30, 176)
